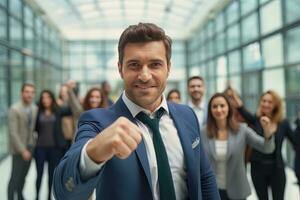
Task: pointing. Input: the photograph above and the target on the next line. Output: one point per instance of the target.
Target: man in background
(22, 137)
(196, 89)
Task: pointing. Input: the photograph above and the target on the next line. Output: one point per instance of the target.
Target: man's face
(28, 94)
(196, 89)
(144, 70)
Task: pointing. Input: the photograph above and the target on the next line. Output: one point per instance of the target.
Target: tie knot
(143, 117)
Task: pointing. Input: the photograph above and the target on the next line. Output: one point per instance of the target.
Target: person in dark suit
(141, 147)
(22, 138)
(267, 169)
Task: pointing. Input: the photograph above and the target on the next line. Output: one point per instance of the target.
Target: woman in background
(267, 169)
(225, 141)
(51, 144)
(174, 96)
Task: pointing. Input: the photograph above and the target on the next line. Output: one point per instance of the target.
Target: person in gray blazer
(22, 139)
(225, 140)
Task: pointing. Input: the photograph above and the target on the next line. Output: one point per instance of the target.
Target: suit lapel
(230, 144)
(187, 149)
(122, 110)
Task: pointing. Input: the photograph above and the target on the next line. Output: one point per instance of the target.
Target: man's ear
(120, 69)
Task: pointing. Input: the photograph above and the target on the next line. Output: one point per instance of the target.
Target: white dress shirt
(199, 111)
(169, 134)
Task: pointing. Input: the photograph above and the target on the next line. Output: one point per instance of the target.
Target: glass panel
(194, 71)
(272, 51)
(220, 22)
(235, 82)
(250, 28)
(77, 75)
(15, 32)
(29, 39)
(3, 136)
(292, 81)
(28, 16)
(15, 7)
(29, 70)
(178, 60)
(233, 36)
(263, 1)
(232, 12)
(234, 62)
(293, 44)
(3, 3)
(271, 17)
(251, 90)
(3, 62)
(274, 80)
(221, 73)
(248, 6)
(252, 57)
(292, 10)
(17, 74)
(220, 42)
(3, 29)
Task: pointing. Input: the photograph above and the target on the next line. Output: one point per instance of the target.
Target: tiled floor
(292, 191)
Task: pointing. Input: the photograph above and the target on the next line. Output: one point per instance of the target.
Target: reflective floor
(292, 192)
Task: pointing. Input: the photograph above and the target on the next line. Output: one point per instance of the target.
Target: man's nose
(145, 74)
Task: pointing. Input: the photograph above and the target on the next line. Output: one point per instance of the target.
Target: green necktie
(166, 186)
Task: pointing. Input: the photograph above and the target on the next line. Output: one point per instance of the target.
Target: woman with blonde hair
(225, 140)
(267, 169)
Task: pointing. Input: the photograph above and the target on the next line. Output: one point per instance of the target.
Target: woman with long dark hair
(51, 144)
(225, 141)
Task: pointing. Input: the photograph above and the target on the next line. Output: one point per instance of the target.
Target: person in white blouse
(225, 140)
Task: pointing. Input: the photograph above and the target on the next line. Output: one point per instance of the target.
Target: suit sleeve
(209, 187)
(67, 180)
(257, 141)
(16, 141)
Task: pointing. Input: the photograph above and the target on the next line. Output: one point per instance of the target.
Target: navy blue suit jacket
(130, 178)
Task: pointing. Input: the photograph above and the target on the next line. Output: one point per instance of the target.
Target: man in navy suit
(115, 151)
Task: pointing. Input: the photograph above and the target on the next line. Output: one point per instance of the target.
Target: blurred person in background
(106, 89)
(51, 143)
(297, 147)
(196, 89)
(94, 98)
(225, 141)
(267, 169)
(174, 96)
(22, 139)
(68, 124)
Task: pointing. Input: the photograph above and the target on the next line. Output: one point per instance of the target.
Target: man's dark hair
(26, 85)
(195, 77)
(144, 32)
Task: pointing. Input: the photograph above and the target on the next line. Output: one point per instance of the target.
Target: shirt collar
(136, 109)
(200, 106)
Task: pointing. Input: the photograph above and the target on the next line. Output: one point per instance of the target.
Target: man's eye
(133, 65)
(157, 64)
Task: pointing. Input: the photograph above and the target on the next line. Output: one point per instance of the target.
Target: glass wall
(30, 51)
(262, 48)
(91, 62)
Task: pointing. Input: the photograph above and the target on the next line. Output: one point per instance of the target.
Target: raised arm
(119, 139)
(237, 102)
(264, 144)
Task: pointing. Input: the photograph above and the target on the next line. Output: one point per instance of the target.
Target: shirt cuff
(88, 168)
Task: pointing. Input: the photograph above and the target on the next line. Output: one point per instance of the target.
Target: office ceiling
(105, 19)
